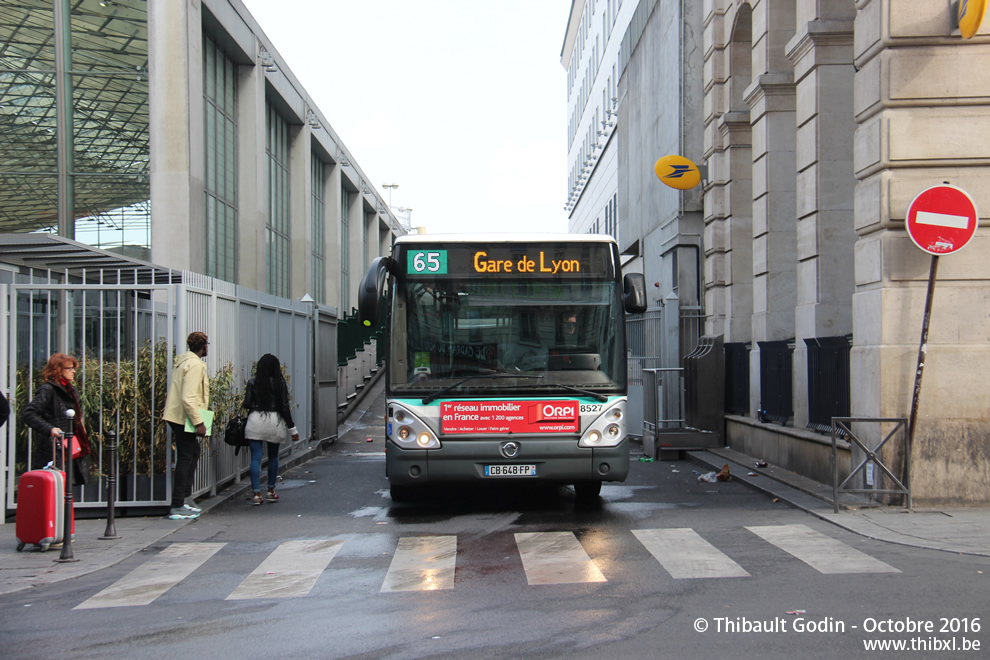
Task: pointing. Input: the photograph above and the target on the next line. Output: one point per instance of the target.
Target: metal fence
(737, 378)
(125, 330)
(874, 471)
(828, 381)
(776, 402)
(657, 341)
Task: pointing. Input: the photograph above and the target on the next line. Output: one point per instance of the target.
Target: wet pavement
(958, 530)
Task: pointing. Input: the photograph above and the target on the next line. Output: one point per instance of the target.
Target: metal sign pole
(922, 356)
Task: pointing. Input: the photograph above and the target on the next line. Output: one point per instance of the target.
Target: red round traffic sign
(942, 219)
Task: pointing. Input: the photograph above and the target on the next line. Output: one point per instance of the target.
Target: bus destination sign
(562, 260)
(509, 416)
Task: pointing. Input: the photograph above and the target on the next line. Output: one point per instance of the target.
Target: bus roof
(505, 238)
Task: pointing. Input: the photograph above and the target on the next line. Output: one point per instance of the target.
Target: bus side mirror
(371, 291)
(634, 293)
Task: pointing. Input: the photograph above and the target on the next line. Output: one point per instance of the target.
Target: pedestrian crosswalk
(150, 580)
(685, 554)
(422, 563)
(290, 571)
(429, 562)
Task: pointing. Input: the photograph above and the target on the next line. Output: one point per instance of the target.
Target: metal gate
(657, 341)
(125, 326)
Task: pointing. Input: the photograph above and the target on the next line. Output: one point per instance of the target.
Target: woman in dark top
(46, 414)
(270, 419)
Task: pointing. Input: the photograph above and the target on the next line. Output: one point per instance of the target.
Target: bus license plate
(510, 470)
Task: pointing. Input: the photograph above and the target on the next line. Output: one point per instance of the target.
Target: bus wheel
(588, 489)
(401, 493)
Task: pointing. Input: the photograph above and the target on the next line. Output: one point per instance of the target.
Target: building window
(319, 233)
(220, 96)
(277, 222)
(345, 251)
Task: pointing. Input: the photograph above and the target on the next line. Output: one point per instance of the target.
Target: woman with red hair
(46, 414)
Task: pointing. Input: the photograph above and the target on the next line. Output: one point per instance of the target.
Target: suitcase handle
(59, 443)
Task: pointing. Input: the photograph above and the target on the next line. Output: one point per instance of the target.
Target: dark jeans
(255, 470)
(186, 460)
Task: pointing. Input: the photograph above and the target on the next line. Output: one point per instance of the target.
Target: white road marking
(821, 552)
(556, 558)
(422, 563)
(290, 571)
(153, 578)
(684, 554)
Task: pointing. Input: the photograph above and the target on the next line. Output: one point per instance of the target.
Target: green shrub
(128, 396)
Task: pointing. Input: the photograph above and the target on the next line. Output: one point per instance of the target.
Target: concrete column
(739, 239)
(728, 198)
(922, 119)
(252, 166)
(355, 249)
(822, 55)
(771, 100)
(300, 210)
(332, 218)
(175, 58)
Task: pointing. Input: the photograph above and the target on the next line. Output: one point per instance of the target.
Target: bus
(505, 359)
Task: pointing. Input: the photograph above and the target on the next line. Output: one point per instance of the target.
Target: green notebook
(207, 416)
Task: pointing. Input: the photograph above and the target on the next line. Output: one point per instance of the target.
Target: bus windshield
(528, 334)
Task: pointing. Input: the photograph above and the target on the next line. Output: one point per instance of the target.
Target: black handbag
(233, 434)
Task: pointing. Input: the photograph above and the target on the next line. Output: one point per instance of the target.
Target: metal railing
(776, 403)
(828, 381)
(872, 457)
(657, 413)
(124, 332)
(737, 378)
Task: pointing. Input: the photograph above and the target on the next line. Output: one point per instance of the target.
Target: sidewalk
(31, 568)
(964, 530)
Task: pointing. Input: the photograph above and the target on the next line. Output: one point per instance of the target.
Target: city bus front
(505, 361)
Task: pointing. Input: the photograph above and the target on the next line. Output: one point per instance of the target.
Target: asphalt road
(506, 572)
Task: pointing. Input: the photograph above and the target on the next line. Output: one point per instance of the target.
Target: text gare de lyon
(482, 264)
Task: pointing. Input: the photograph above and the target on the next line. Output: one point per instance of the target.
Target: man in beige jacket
(188, 393)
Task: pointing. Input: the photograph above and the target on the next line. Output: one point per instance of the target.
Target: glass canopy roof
(109, 82)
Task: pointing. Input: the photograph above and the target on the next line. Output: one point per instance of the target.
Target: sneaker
(272, 495)
(192, 508)
(181, 513)
(258, 499)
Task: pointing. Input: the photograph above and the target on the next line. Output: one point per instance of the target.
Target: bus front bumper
(552, 460)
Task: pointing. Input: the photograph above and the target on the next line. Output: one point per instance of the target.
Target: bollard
(111, 530)
(66, 440)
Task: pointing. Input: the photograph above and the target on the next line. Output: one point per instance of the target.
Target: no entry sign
(942, 219)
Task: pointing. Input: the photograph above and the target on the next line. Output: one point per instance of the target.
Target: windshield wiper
(598, 396)
(499, 374)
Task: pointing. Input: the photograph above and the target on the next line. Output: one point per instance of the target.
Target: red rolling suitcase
(41, 508)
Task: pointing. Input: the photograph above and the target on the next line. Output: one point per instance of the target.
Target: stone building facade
(820, 122)
(823, 120)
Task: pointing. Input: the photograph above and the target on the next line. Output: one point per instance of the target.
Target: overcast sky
(460, 102)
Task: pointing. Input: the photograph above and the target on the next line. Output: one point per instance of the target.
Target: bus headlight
(608, 429)
(411, 431)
